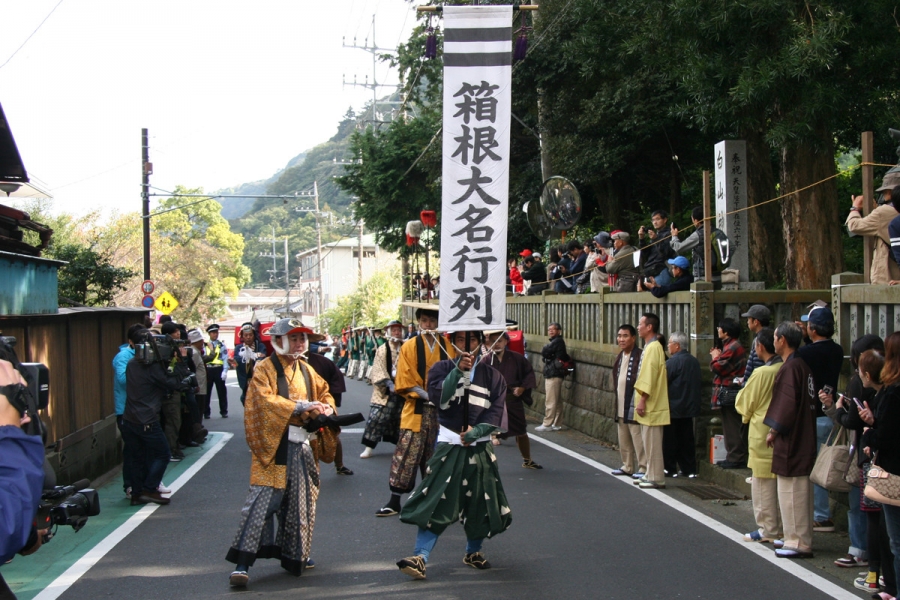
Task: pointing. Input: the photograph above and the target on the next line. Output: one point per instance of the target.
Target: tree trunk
(810, 220)
(766, 241)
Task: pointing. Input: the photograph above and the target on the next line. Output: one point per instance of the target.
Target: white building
(341, 266)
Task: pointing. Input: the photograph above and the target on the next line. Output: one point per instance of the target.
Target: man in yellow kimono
(418, 421)
(651, 401)
(753, 403)
(282, 396)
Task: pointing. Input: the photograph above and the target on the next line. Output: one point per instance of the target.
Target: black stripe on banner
(495, 34)
(485, 59)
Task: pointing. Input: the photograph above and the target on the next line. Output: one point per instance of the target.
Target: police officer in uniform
(216, 359)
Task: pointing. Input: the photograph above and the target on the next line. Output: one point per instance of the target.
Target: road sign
(166, 303)
(147, 287)
(147, 302)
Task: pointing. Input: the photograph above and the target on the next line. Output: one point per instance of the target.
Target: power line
(31, 34)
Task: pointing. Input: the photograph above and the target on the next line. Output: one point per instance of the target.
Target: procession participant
(520, 380)
(283, 394)
(384, 413)
(462, 481)
(365, 336)
(328, 371)
(418, 421)
(353, 349)
(375, 340)
(216, 359)
(246, 354)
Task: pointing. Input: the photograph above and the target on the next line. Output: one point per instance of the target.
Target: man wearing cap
(418, 421)
(385, 405)
(283, 396)
(535, 272)
(246, 354)
(621, 263)
(462, 481)
(552, 353)
(216, 359)
(825, 358)
(198, 433)
(520, 380)
(875, 225)
(680, 281)
(757, 319)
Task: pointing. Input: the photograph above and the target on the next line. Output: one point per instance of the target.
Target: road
(577, 532)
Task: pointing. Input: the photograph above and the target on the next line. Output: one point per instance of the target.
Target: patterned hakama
(279, 523)
(414, 449)
(383, 422)
(462, 483)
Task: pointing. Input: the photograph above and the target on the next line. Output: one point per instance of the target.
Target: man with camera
(657, 249)
(21, 472)
(148, 384)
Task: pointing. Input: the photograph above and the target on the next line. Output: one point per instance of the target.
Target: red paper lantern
(411, 241)
(429, 218)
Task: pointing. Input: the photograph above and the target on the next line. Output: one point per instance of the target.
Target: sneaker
(556, 428)
(868, 583)
(530, 464)
(542, 429)
(851, 561)
(756, 536)
(414, 566)
(239, 579)
(620, 473)
(825, 526)
(162, 489)
(176, 458)
(342, 470)
(693, 476)
(477, 560)
(387, 511)
(310, 563)
(367, 453)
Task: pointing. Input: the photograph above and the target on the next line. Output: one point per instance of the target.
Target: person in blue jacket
(119, 362)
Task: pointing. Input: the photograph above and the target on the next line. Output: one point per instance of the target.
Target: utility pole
(374, 50)
(274, 270)
(360, 253)
(319, 300)
(147, 169)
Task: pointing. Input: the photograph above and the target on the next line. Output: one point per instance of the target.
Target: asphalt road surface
(577, 532)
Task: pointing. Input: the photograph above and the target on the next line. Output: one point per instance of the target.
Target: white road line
(83, 565)
(786, 564)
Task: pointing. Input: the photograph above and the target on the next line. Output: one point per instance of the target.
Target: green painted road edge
(27, 576)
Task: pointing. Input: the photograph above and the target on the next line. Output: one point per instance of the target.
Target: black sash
(420, 366)
(281, 454)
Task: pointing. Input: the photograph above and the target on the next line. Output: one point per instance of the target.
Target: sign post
(731, 196)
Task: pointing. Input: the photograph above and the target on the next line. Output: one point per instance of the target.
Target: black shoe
(224, 415)
(343, 471)
(207, 416)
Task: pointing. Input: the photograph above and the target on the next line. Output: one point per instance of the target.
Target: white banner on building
(731, 196)
(475, 194)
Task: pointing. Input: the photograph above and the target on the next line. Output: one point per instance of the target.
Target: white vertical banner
(731, 195)
(475, 174)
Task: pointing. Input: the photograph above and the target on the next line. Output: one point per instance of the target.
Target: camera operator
(172, 406)
(148, 385)
(21, 473)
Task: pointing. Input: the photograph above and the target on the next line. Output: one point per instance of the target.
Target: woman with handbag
(881, 441)
(727, 363)
(845, 413)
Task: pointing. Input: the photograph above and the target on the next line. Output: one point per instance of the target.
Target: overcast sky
(230, 91)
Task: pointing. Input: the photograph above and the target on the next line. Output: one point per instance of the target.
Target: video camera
(36, 395)
(158, 348)
(67, 505)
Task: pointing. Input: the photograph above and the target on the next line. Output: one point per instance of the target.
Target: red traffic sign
(147, 287)
(148, 301)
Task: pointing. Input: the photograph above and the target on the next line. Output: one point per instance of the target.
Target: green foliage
(89, 278)
(374, 304)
